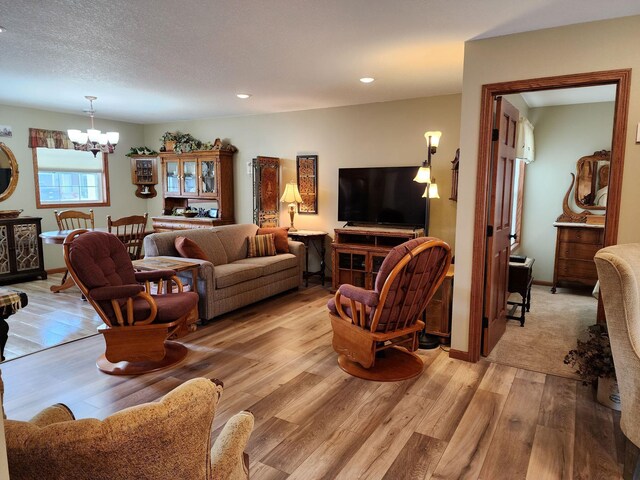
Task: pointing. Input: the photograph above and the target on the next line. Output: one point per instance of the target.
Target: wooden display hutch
(358, 252)
(196, 177)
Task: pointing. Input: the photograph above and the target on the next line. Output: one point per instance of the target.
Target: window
(69, 178)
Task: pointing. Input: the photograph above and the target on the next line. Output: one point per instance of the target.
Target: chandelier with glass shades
(93, 140)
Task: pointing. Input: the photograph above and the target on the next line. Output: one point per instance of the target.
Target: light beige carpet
(551, 329)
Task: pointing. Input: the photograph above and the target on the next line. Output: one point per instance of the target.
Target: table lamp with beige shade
(291, 196)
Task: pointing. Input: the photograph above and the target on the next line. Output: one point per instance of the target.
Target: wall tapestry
(266, 191)
(307, 174)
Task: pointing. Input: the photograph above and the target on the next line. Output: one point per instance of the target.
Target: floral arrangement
(592, 358)
(140, 151)
(185, 142)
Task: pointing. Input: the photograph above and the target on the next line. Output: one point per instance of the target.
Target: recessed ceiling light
(243, 96)
(367, 79)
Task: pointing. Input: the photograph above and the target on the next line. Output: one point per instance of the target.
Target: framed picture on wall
(307, 177)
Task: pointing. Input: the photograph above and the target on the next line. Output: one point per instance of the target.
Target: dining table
(56, 237)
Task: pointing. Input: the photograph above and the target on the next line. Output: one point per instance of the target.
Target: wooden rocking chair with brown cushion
(371, 327)
(138, 324)
(130, 231)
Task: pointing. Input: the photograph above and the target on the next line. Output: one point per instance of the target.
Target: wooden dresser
(576, 245)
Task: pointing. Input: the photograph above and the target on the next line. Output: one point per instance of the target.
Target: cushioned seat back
(100, 259)
(413, 287)
(158, 244)
(234, 239)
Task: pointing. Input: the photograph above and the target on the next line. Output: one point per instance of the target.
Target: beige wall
(380, 134)
(123, 200)
(563, 134)
(605, 45)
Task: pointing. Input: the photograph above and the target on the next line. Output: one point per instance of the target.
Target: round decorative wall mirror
(8, 172)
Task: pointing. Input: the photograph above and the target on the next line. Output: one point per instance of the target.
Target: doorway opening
(564, 134)
(620, 79)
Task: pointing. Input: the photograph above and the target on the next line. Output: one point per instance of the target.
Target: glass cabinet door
(189, 177)
(208, 178)
(172, 180)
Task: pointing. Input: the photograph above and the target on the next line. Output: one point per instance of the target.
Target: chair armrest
(227, 453)
(54, 414)
(154, 275)
(115, 292)
(298, 249)
(369, 298)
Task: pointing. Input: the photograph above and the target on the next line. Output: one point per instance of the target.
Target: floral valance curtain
(39, 138)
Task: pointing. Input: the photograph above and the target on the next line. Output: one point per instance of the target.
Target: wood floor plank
(553, 444)
(442, 419)
(267, 436)
(466, 452)
(379, 451)
(418, 458)
(260, 471)
(510, 449)
(328, 459)
(595, 450)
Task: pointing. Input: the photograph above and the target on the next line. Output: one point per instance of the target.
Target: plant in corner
(169, 140)
(592, 358)
(593, 362)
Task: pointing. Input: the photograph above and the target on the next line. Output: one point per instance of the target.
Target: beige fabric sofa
(231, 280)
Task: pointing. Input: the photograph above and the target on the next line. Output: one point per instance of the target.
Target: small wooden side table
(520, 281)
(169, 263)
(317, 239)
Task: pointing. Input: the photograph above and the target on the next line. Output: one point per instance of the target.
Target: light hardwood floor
(313, 421)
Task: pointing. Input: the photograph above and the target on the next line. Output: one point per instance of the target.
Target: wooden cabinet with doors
(576, 245)
(144, 175)
(21, 250)
(197, 177)
(358, 252)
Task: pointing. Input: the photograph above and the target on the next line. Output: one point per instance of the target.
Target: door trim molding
(622, 80)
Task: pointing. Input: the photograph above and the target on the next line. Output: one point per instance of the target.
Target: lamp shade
(423, 175)
(431, 191)
(291, 194)
(113, 137)
(435, 138)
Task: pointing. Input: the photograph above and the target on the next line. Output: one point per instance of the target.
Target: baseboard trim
(543, 283)
(51, 271)
(459, 355)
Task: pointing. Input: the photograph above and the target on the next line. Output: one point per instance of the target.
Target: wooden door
(499, 228)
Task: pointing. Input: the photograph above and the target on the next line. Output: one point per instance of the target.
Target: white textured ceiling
(160, 60)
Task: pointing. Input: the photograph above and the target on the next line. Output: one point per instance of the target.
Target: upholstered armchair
(165, 440)
(375, 331)
(138, 324)
(619, 274)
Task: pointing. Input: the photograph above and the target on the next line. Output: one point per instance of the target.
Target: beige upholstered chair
(165, 440)
(619, 275)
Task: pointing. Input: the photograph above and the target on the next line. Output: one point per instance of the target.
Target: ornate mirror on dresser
(581, 234)
(8, 172)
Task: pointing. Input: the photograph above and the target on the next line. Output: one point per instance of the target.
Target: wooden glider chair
(619, 274)
(371, 326)
(164, 440)
(138, 324)
(130, 231)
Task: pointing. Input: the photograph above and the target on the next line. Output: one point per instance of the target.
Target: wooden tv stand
(358, 252)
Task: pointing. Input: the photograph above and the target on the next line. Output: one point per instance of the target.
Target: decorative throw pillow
(187, 248)
(261, 246)
(280, 237)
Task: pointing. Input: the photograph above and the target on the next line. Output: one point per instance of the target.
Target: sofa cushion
(272, 264)
(163, 243)
(234, 273)
(280, 237)
(234, 239)
(261, 246)
(187, 248)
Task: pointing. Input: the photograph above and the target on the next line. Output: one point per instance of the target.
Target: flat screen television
(381, 195)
